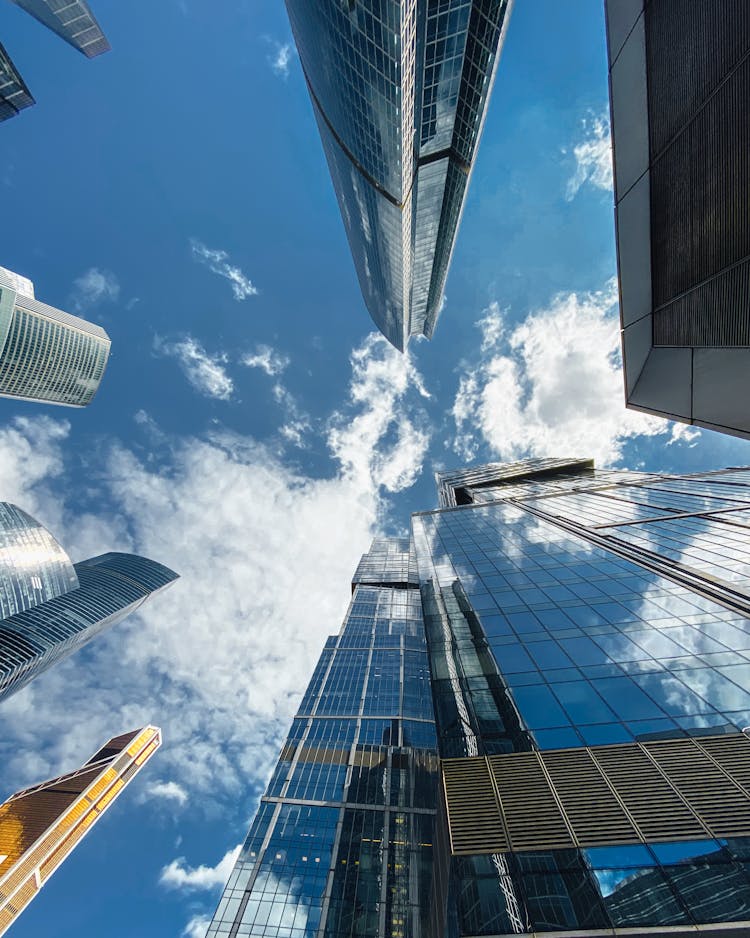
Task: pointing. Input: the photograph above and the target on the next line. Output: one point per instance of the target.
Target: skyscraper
(399, 91)
(46, 354)
(41, 825)
(73, 21)
(679, 74)
(50, 607)
(588, 639)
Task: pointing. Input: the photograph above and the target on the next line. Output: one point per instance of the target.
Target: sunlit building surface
(50, 607)
(41, 825)
(399, 91)
(588, 637)
(679, 79)
(46, 354)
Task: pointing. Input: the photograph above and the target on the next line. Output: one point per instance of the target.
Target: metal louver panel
(595, 814)
(722, 806)
(667, 790)
(473, 812)
(650, 800)
(525, 788)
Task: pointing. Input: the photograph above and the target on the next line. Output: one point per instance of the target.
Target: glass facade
(574, 645)
(51, 607)
(14, 95)
(41, 825)
(342, 842)
(72, 20)
(399, 89)
(46, 354)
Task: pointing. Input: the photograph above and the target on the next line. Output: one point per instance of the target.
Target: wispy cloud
(593, 156)
(297, 423)
(550, 385)
(196, 927)
(94, 286)
(281, 57)
(267, 359)
(217, 262)
(179, 876)
(204, 371)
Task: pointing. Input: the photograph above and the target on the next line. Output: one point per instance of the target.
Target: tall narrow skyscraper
(46, 354)
(41, 825)
(50, 607)
(588, 638)
(679, 88)
(399, 91)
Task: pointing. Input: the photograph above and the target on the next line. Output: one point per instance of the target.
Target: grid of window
(72, 20)
(14, 95)
(33, 566)
(46, 359)
(362, 748)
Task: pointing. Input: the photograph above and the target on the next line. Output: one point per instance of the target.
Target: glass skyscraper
(50, 607)
(46, 354)
(41, 825)
(73, 21)
(399, 89)
(587, 639)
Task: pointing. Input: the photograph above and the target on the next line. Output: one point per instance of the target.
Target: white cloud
(217, 262)
(282, 56)
(297, 423)
(221, 660)
(381, 377)
(593, 156)
(170, 791)
(204, 371)
(196, 927)
(94, 287)
(178, 876)
(267, 359)
(552, 386)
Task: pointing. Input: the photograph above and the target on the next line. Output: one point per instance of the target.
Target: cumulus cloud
(280, 59)
(221, 659)
(267, 359)
(218, 263)
(204, 371)
(169, 791)
(177, 875)
(381, 377)
(593, 156)
(551, 385)
(93, 287)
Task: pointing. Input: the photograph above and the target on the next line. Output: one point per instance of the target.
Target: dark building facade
(399, 91)
(679, 85)
(50, 607)
(587, 637)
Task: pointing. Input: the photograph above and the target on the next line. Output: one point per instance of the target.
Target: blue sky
(251, 430)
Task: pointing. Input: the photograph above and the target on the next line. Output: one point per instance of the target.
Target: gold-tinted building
(41, 825)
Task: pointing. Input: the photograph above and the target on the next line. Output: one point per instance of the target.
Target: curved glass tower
(46, 354)
(399, 89)
(50, 607)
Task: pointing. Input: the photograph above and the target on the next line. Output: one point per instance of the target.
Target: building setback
(399, 91)
(679, 85)
(586, 637)
(46, 354)
(41, 825)
(50, 607)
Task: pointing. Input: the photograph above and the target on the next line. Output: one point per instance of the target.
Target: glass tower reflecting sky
(399, 91)
(41, 825)
(46, 354)
(588, 639)
(50, 607)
